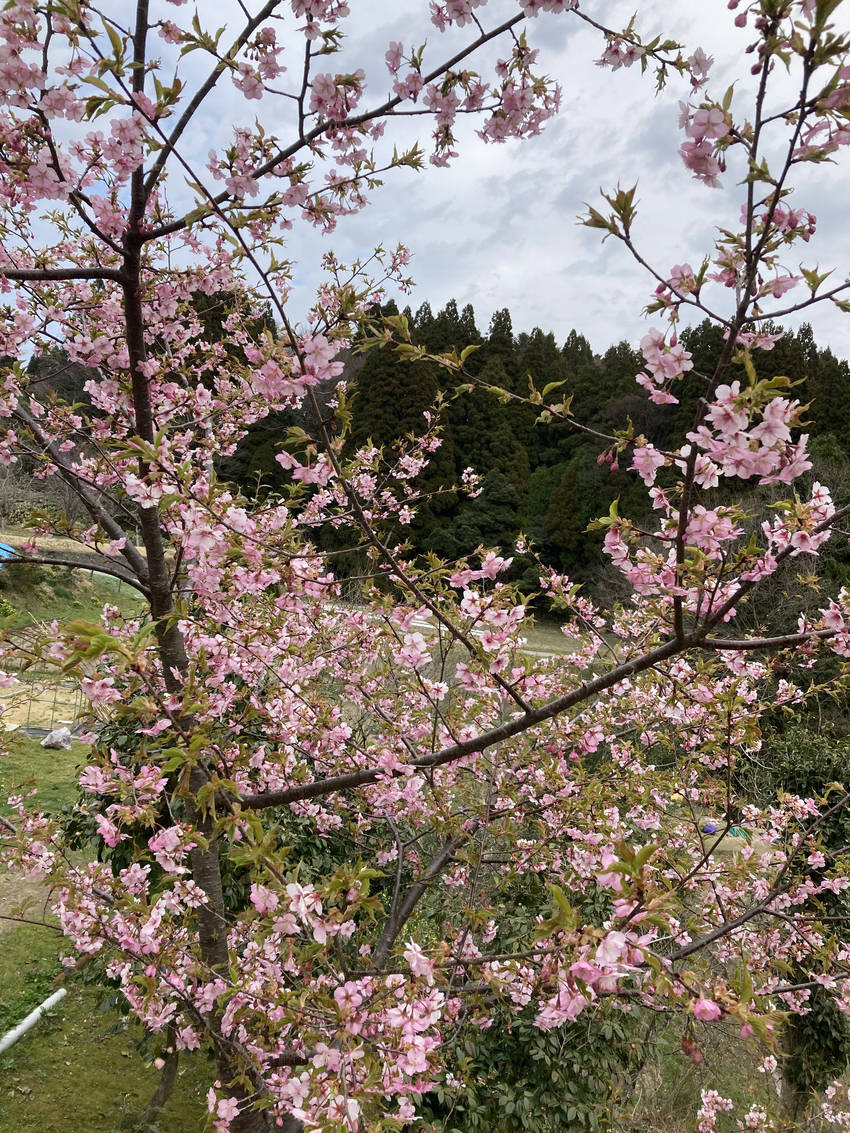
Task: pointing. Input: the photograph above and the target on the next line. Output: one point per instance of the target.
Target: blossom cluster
(352, 746)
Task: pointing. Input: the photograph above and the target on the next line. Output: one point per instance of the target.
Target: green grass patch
(80, 1067)
(28, 764)
(40, 594)
(31, 971)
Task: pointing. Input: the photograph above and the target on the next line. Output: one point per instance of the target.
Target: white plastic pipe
(11, 1037)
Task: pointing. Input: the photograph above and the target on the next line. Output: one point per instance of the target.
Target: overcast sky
(498, 229)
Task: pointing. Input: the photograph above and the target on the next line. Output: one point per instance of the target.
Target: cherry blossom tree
(305, 845)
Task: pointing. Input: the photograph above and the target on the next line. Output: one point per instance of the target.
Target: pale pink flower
(646, 460)
(707, 1010)
(264, 900)
(228, 1109)
(418, 962)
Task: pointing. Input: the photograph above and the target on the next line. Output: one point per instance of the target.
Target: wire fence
(33, 705)
(34, 696)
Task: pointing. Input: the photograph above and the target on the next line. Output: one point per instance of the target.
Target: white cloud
(498, 229)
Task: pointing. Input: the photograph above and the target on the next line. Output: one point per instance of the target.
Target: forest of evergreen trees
(543, 481)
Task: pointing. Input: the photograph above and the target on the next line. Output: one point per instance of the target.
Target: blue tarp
(7, 552)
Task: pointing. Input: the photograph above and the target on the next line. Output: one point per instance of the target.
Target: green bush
(514, 1078)
(797, 760)
(20, 578)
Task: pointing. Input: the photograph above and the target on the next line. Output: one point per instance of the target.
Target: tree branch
(194, 105)
(305, 140)
(781, 642)
(131, 553)
(399, 917)
(55, 275)
(76, 564)
(479, 743)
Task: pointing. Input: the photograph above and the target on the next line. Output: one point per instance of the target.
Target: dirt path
(56, 544)
(27, 705)
(43, 542)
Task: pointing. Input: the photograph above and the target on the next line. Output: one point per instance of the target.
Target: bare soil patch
(49, 543)
(17, 893)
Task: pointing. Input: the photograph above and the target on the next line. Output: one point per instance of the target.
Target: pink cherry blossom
(646, 460)
(707, 1010)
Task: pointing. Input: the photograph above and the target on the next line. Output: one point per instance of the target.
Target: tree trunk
(166, 1081)
(205, 864)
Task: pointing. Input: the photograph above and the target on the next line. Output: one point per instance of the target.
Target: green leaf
(746, 358)
(94, 81)
(552, 385)
(644, 855)
(595, 219)
(116, 41)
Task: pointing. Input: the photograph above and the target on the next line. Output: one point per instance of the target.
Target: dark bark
(205, 864)
(167, 1078)
(206, 867)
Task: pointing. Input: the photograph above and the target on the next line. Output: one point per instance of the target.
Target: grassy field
(40, 594)
(28, 763)
(83, 1060)
(546, 638)
(79, 1070)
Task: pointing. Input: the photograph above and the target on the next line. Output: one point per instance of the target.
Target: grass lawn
(53, 772)
(79, 1070)
(41, 594)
